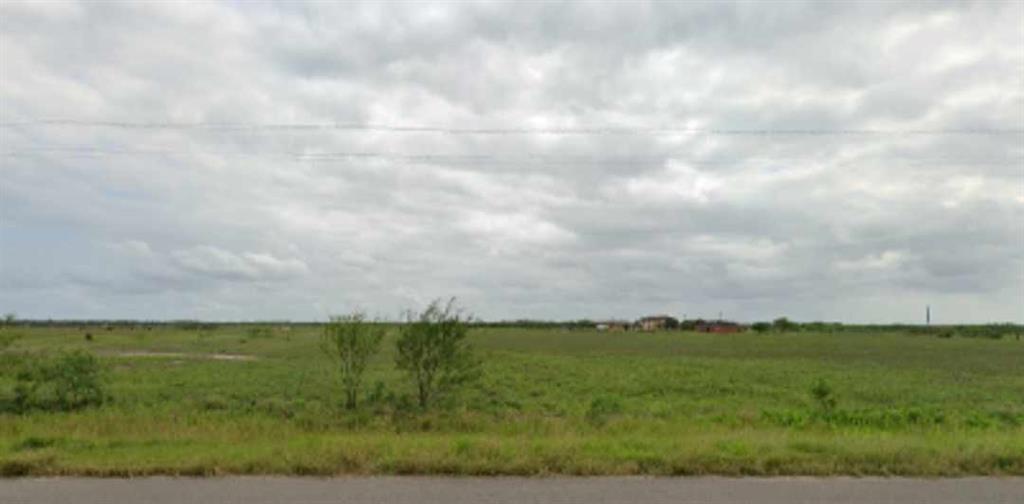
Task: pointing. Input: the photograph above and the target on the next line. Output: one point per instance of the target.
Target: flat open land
(231, 400)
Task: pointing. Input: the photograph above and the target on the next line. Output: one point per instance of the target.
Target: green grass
(549, 402)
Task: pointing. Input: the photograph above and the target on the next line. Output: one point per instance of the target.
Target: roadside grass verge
(763, 453)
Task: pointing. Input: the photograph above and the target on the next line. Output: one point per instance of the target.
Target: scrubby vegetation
(433, 352)
(182, 400)
(351, 341)
(67, 382)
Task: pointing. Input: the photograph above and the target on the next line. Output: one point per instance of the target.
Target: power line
(536, 159)
(610, 130)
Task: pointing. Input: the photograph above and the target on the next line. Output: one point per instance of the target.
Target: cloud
(212, 261)
(511, 230)
(888, 260)
(136, 248)
(678, 183)
(240, 160)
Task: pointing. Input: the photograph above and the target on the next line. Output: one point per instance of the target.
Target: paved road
(430, 490)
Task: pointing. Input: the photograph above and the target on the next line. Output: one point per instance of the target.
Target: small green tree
(783, 324)
(761, 326)
(433, 352)
(350, 340)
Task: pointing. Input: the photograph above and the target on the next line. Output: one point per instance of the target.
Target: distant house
(657, 323)
(612, 325)
(717, 326)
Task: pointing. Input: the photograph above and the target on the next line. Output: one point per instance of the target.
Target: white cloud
(136, 248)
(678, 183)
(505, 231)
(887, 260)
(213, 261)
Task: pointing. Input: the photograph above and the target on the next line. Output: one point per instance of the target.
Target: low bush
(823, 396)
(68, 382)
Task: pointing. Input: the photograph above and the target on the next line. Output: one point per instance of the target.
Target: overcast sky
(244, 160)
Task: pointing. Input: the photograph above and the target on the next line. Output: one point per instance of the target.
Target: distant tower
(928, 315)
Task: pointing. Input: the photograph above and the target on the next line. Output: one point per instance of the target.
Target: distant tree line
(781, 324)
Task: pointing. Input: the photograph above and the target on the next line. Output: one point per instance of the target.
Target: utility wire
(490, 159)
(327, 126)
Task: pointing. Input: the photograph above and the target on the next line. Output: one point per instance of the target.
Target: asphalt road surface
(431, 490)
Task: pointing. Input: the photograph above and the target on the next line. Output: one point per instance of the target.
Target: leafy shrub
(433, 352)
(351, 341)
(822, 394)
(761, 327)
(68, 382)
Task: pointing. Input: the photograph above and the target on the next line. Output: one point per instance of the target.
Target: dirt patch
(182, 355)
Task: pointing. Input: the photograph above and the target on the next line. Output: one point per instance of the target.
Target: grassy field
(549, 402)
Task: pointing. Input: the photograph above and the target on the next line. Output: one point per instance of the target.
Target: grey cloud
(863, 222)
